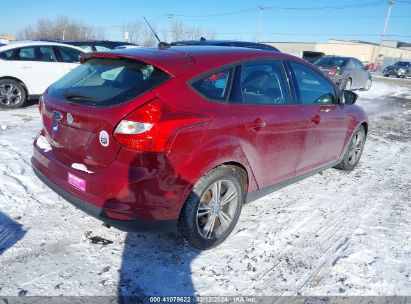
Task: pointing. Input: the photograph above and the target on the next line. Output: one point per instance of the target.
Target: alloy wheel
(356, 148)
(10, 95)
(217, 209)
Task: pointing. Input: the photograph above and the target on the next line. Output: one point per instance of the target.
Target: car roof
(24, 43)
(178, 59)
(224, 43)
(338, 57)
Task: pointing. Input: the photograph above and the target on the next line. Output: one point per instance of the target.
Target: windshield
(106, 82)
(331, 61)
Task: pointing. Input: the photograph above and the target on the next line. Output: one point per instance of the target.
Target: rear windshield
(402, 64)
(331, 61)
(107, 82)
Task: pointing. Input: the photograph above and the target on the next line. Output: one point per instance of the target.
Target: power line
(347, 6)
(256, 8)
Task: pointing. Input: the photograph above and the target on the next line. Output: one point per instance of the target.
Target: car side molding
(252, 196)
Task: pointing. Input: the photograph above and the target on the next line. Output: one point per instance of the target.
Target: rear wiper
(72, 95)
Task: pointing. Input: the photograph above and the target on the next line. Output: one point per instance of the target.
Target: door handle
(325, 109)
(316, 119)
(255, 125)
(26, 67)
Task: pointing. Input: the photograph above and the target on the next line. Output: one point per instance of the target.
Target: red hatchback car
(182, 137)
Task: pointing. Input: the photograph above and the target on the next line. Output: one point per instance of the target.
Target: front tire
(354, 150)
(368, 85)
(12, 94)
(212, 209)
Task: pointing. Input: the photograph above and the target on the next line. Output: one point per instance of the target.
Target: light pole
(390, 4)
(260, 23)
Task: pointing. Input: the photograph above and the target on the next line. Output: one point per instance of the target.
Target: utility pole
(390, 4)
(260, 23)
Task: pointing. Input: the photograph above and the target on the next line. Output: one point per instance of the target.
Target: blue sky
(231, 19)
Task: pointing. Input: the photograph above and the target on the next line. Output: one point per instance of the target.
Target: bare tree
(61, 28)
(179, 31)
(134, 30)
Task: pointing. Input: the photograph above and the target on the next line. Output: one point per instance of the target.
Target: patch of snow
(80, 167)
(43, 143)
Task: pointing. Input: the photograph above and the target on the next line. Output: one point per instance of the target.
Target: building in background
(391, 51)
(5, 38)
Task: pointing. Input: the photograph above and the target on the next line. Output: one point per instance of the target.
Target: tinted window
(27, 53)
(69, 55)
(402, 64)
(215, 85)
(106, 82)
(264, 83)
(6, 55)
(101, 48)
(86, 48)
(351, 64)
(312, 87)
(331, 61)
(358, 64)
(46, 54)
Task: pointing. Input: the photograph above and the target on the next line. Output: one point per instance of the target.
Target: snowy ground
(331, 234)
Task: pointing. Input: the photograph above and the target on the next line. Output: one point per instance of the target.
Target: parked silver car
(347, 72)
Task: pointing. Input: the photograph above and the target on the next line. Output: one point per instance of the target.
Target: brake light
(335, 71)
(153, 127)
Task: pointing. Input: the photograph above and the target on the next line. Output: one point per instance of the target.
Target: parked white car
(27, 68)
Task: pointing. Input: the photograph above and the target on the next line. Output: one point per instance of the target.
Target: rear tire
(12, 94)
(212, 209)
(354, 150)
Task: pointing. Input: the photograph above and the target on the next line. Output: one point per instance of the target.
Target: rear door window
(107, 82)
(69, 55)
(214, 85)
(46, 54)
(26, 54)
(264, 83)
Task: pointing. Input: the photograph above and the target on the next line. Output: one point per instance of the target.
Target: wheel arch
(365, 125)
(19, 81)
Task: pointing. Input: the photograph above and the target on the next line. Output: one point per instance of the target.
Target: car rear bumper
(129, 194)
(131, 225)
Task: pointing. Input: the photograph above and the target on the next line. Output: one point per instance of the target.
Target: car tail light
(153, 127)
(334, 71)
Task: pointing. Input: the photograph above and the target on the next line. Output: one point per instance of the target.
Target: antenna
(161, 44)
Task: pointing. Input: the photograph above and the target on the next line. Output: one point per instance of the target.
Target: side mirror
(348, 97)
(366, 67)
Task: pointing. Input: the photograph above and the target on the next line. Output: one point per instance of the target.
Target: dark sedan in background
(399, 69)
(347, 72)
